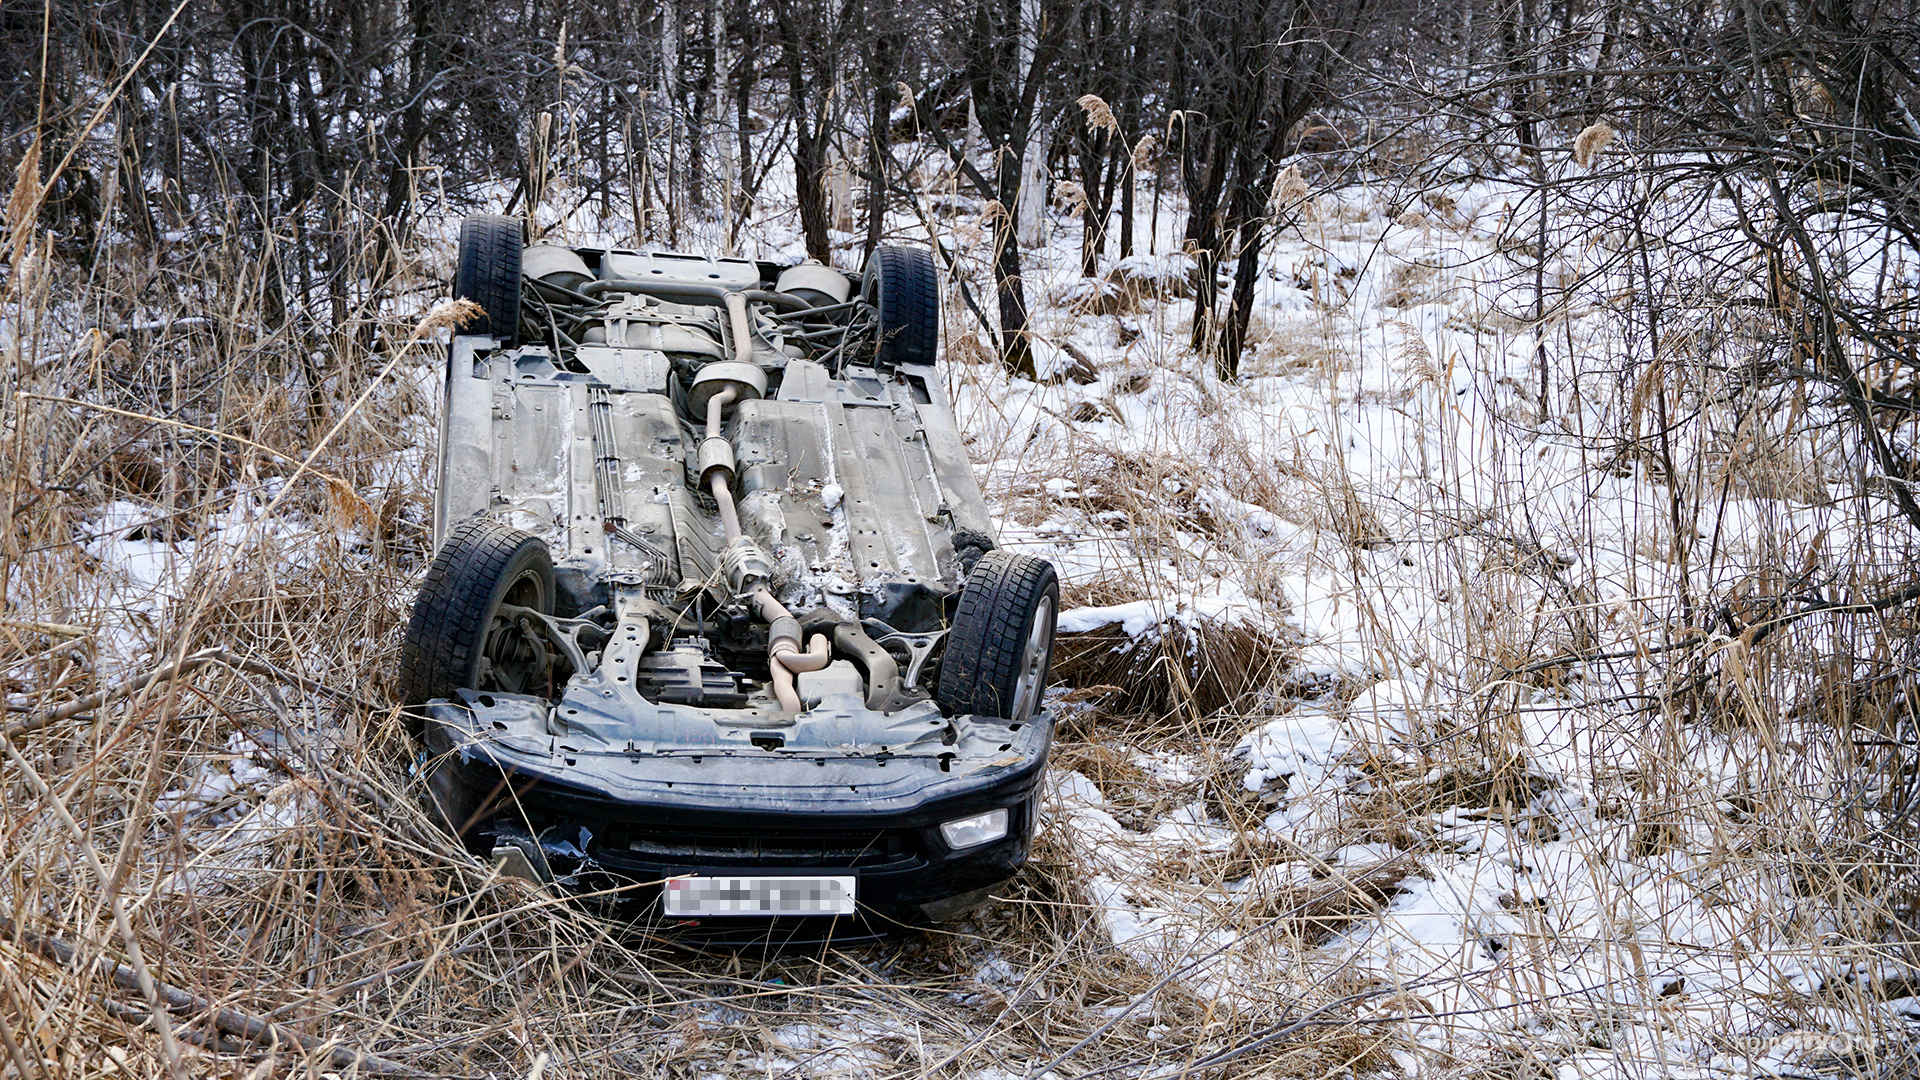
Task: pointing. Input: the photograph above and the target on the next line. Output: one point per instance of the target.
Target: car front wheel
(1001, 641)
(471, 626)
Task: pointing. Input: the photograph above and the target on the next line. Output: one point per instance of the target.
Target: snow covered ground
(1434, 821)
(1529, 862)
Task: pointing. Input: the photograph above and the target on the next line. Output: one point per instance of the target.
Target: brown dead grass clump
(967, 348)
(1141, 283)
(1111, 768)
(1174, 669)
(1336, 898)
(1411, 283)
(1769, 469)
(1102, 296)
(1591, 142)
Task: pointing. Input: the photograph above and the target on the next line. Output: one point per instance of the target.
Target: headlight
(967, 832)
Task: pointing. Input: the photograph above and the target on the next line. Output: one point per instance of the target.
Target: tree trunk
(1029, 205)
(697, 73)
(744, 73)
(809, 175)
(1206, 176)
(880, 80)
(1233, 332)
(1016, 351)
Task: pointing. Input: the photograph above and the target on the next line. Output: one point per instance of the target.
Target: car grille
(786, 847)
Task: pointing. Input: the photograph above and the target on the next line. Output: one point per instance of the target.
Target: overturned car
(716, 633)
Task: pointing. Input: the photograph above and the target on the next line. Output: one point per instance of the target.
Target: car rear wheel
(465, 632)
(489, 273)
(1001, 642)
(904, 291)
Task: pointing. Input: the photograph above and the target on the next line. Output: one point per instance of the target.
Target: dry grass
(1599, 646)
(1412, 282)
(228, 871)
(1173, 669)
(1141, 283)
(255, 843)
(249, 834)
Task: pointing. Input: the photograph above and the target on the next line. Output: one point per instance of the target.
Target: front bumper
(612, 825)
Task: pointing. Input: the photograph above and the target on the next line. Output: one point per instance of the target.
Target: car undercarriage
(716, 635)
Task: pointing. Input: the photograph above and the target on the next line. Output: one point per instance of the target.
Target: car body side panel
(946, 450)
(900, 497)
(466, 441)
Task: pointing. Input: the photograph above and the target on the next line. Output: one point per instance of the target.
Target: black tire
(458, 638)
(904, 291)
(1001, 642)
(489, 273)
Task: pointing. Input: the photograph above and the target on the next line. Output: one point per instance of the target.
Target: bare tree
(811, 38)
(1244, 73)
